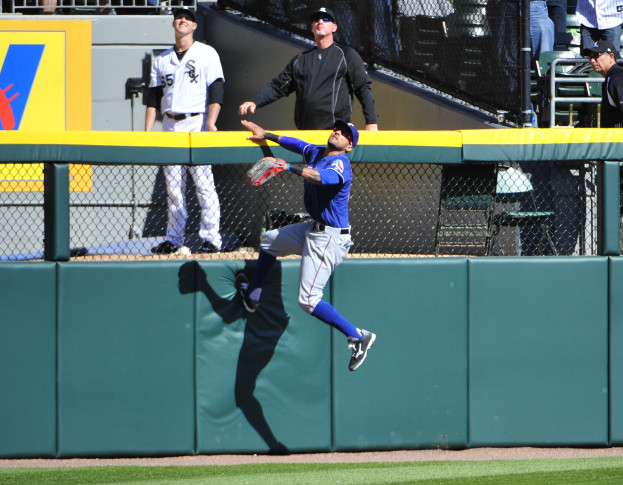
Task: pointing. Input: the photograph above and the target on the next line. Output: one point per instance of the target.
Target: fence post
(56, 211)
(609, 212)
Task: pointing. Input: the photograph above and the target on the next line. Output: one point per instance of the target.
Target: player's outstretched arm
(247, 107)
(259, 133)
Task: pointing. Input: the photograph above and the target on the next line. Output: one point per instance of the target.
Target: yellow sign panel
(45, 84)
(28, 177)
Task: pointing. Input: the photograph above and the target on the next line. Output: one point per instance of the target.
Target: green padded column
(538, 351)
(126, 360)
(263, 379)
(616, 351)
(28, 360)
(411, 391)
(56, 211)
(609, 198)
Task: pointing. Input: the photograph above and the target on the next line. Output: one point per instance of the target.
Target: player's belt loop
(180, 116)
(331, 230)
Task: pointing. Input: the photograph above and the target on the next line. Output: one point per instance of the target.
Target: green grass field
(512, 472)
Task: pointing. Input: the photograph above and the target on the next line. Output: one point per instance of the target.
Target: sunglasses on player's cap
(323, 13)
(348, 130)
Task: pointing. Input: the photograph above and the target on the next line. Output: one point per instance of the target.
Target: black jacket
(324, 81)
(611, 98)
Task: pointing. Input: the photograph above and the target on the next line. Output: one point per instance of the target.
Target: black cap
(184, 11)
(323, 12)
(601, 47)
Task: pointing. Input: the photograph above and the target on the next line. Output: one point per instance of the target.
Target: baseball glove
(265, 169)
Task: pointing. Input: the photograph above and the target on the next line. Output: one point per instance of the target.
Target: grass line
(508, 472)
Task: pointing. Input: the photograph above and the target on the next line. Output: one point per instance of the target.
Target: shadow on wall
(263, 329)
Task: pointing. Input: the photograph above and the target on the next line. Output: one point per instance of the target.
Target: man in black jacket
(603, 57)
(325, 78)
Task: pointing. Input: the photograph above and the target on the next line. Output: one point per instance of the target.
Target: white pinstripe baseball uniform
(185, 97)
(600, 14)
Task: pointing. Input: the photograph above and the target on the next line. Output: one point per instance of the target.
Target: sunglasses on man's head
(595, 55)
(324, 19)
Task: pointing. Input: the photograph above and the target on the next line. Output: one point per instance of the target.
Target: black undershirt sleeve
(153, 97)
(216, 92)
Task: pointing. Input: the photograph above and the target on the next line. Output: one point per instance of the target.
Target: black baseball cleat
(242, 285)
(208, 247)
(166, 247)
(360, 348)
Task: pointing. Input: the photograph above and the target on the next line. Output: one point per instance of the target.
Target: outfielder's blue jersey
(326, 203)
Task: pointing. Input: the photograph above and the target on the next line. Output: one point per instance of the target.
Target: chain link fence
(448, 45)
(119, 212)
(96, 7)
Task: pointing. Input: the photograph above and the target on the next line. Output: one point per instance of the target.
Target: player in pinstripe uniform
(600, 20)
(322, 243)
(186, 86)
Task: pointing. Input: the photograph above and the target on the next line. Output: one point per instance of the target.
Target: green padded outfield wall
(263, 379)
(538, 351)
(28, 359)
(616, 351)
(412, 390)
(157, 358)
(126, 338)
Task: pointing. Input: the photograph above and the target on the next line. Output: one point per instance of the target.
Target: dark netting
(404, 210)
(466, 48)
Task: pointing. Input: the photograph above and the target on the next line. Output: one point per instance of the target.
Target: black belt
(322, 227)
(182, 116)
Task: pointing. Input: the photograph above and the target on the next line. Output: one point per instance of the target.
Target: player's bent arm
(213, 111)
(372, 127)
(150, 118)
(311, 175)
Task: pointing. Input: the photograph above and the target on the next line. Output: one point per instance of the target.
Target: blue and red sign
(16, 80)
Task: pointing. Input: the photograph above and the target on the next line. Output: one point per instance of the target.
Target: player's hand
(258, 131)
(247, 107)
(372, 127)
(211, 127)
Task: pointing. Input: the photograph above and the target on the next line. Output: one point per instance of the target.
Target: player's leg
(209, 230)
(321, 255)
(175, 176)
(282, 241)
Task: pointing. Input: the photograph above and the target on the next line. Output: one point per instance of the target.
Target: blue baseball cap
(350, 128)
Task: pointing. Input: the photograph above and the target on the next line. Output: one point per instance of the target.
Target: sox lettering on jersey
(185, 83)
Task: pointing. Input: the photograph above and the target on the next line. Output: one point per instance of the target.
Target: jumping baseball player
(186, 86)
(323, 242)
